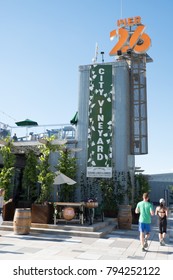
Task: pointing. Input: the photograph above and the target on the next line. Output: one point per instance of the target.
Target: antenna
(96, 54)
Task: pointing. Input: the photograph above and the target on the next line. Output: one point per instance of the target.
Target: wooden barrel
(124, 217)
(68, 213)
(22, 221)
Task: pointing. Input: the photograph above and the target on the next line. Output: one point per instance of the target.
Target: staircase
(96, 230)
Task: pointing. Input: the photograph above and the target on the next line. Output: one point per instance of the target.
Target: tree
(67, 165)
(46, 175)
(141, 186)
(30, 176)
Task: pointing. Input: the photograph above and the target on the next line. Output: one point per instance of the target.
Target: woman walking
(162, 212)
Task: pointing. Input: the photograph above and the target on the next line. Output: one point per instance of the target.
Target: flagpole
(96, 54)
(121, 9)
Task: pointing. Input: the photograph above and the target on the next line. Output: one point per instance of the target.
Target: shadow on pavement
(44, 239)
(9, 252)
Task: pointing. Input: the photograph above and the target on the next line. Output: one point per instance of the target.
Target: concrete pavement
(119, 245)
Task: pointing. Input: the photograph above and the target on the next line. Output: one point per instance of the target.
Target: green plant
(67, 165)
(108, 194)
(83, 187)
(113, 191)
(30, 175)
(121, 186)
(7, 172)
(46, 175)
(129, 188)
(89, 188)
(141, 186)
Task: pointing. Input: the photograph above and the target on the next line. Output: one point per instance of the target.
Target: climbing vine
(7, 172)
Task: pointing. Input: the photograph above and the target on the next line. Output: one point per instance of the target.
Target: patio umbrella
(63, 179)
(26, 123)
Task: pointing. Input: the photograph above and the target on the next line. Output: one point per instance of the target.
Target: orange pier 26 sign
(130, 35)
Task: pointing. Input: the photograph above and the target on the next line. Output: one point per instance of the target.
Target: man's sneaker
(143, 249)
(145, 243)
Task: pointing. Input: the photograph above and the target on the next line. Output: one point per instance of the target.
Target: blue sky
(42, 44)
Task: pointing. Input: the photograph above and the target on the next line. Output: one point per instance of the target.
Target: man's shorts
(143, 227)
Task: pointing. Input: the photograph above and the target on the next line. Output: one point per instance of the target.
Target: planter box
(8, 211)
(42, 214)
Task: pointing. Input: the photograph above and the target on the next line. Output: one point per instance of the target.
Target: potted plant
(42, 210)
(108, 198)
(113, 193)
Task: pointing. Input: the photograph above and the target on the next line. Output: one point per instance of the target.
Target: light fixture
(119, 52)
(129, 51)
(102, 53)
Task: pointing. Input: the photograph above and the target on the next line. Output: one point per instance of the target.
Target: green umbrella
(26, 122)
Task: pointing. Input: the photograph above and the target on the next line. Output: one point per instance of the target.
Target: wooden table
(79, 205)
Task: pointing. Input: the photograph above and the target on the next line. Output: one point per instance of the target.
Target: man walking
(145, 209)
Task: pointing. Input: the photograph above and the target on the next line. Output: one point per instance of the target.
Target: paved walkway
(119, 245)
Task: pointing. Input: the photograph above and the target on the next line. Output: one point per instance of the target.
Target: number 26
(139, 41)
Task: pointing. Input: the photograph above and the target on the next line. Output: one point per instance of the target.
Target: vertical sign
(100, 122)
